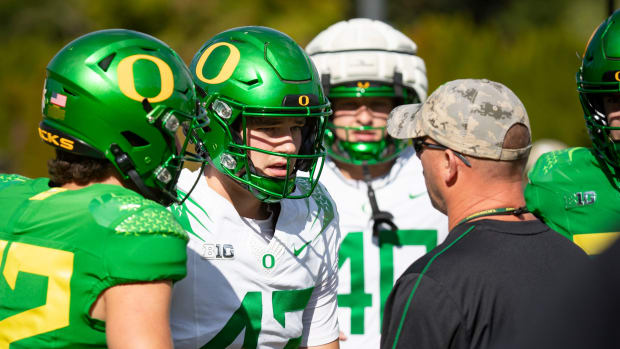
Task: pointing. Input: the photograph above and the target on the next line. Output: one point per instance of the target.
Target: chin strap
(382, 220)
(124, 163)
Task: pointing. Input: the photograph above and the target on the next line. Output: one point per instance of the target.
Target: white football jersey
(243, 290)
(368, 270)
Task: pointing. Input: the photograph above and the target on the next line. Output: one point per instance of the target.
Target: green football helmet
(259, 72)
(598, 75)
(121, 95)
(367, 58)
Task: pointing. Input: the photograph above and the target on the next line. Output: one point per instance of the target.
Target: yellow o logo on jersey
(227, 69)
(127, 83)
(303, 100)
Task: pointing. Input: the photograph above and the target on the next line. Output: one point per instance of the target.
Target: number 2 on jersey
(57, 266)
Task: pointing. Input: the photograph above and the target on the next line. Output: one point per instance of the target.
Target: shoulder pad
(324, 203)
(553, 161)
(130, 213)
(10, 179)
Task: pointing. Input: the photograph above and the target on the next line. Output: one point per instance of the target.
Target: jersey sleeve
(545, 194)
(145, 242)
(420, 313)
(320, 318)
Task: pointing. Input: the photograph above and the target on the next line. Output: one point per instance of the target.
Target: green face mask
(260, 73)
(361, 153)
(121, 95)
(365, 153)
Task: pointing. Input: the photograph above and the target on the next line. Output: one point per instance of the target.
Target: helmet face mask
(361, 153)
(597, 78)
(246, 75)
(121, 95)
(366, 58)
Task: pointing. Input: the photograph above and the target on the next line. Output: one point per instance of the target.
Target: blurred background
(532, 47)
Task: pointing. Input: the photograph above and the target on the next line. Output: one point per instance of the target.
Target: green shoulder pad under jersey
(571, 193)
(62, 248)
(10, 179)
(133, 214)
(324, 209)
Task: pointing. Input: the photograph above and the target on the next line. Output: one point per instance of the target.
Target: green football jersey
(573, 195)
(61, 248)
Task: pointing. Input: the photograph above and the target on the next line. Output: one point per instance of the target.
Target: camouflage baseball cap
(469, 116)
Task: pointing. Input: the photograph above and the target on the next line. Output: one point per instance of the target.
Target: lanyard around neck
(496, 212)
(381, 219)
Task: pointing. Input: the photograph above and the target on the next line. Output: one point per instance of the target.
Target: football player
(387, 220)
(90, 254)
(262, 262)
(576, 191)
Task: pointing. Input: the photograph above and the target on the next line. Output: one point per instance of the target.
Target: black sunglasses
(418, 146)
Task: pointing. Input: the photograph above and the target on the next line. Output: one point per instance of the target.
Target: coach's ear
(450, 167)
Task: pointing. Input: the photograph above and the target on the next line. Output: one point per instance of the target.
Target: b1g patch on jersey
(218, 251)
(578, 199)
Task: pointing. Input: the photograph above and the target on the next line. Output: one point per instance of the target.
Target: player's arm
(137, 315)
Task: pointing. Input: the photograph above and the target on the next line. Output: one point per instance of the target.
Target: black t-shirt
(585, 314)
(475, 287)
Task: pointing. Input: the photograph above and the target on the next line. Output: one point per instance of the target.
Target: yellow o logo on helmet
(127, 83)
(363, 85)
(227, 69)
(617, 75)
(303, 100)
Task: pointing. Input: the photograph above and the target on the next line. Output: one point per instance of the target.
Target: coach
(499, 260)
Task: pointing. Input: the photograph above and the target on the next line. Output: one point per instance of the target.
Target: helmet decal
(227, 68)
(126, 78)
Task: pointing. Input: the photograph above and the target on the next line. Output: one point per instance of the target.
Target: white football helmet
(368, 51)
(367, 58)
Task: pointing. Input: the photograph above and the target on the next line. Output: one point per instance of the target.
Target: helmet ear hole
(134, 139)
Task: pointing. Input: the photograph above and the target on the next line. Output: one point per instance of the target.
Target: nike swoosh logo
(296, 252)
(415, 196)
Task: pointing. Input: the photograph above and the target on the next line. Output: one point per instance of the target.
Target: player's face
(281, 135)
(431, 177)
(363, 111)
(611, 103)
